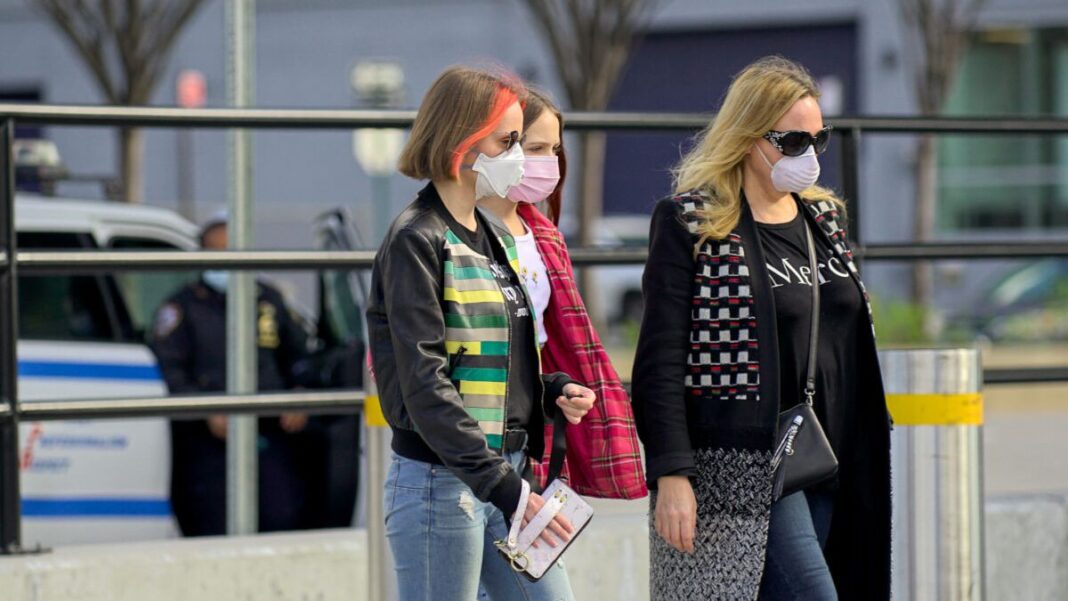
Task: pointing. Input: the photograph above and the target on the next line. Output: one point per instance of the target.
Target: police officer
(189, 339)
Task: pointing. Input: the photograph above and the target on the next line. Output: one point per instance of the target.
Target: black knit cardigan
(706, 396)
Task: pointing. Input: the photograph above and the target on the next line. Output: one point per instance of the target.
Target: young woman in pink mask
(603, 457)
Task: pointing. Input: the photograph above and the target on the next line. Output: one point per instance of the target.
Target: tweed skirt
(733, 490)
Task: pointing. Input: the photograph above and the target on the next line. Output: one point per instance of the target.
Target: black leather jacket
(407, 331)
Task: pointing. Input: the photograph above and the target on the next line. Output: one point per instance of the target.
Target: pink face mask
(540, 176)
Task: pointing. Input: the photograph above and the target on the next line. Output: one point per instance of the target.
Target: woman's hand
(676, 512)
(576, 402)
(217, 425)
(561, 527)
(293, 422)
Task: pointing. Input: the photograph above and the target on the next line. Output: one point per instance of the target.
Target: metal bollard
(935, 398)
(380, 579)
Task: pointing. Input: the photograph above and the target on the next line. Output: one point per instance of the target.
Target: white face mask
(497, 175)
(794, 174)
(216, 280)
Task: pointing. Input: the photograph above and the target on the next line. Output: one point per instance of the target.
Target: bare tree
(126, 45)
(937, 37)
(591, 41)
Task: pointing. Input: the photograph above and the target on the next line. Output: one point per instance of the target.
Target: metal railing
(13, 262)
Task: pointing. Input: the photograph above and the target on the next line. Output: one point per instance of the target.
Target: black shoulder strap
(559, 449)
(814, 324)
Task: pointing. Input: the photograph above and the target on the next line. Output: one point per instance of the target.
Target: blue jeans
(795, 568)
(442, 540)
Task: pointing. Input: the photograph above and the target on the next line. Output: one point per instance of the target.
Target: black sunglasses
(513, 139)
(795, 143)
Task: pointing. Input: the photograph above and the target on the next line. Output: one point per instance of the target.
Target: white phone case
(518, 549)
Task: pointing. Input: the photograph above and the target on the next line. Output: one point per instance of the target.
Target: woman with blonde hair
(754, 307)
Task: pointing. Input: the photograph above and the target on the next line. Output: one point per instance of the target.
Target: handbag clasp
(519, 561)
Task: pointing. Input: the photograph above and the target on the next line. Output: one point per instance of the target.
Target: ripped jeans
(442, 540)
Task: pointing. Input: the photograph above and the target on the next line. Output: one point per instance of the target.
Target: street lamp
(378, 85)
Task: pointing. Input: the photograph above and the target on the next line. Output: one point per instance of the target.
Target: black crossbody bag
(804, 456)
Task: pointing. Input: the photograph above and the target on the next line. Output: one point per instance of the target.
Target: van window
(62, 307)
(338, 301)
(145, 291)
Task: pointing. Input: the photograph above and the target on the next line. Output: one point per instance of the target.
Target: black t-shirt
(522, 381)
(841, 312)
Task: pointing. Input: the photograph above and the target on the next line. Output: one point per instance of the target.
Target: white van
(82, 336)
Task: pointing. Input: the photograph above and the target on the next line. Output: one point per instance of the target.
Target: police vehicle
(83, 336)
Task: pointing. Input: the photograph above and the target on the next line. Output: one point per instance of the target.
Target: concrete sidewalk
(1027, 560)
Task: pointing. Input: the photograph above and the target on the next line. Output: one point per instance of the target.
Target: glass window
(340, 313)
(62, 307)
(144, 291)
(1007, 181)
(341, 309)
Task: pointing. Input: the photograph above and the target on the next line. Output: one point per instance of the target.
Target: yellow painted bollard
(935, 398)
(380, 565)
(930, 409)
(372, 409)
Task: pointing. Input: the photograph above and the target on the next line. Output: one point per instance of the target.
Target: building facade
(858, 49)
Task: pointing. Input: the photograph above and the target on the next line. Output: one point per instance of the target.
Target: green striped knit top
(477, 332)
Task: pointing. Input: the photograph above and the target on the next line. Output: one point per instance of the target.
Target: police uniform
(189, 340)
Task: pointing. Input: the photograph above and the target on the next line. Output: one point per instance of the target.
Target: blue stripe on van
(88, 371)
(69, 507)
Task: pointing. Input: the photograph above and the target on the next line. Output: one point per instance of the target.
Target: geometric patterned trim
(723, 359)
(826, 216)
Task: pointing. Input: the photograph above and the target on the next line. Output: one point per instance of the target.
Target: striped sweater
(477, 333)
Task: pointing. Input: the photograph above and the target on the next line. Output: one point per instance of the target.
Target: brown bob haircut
(538, 101)
(462, 106)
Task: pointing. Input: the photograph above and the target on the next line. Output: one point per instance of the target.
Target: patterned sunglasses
(795, 143)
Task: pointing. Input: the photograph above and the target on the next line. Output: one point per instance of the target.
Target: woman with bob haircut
(724, 348)
(455, 354)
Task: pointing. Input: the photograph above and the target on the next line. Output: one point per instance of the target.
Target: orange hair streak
(507, 95)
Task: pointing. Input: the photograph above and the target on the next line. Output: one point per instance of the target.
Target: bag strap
(556, 465)
(553, 506)
(814, 323)
(520, 539)
(517, 517)
(559, 449)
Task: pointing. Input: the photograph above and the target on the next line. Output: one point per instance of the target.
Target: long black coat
(706, 397)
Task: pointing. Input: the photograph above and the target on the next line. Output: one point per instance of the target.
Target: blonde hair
(757, 98)
(462, 106)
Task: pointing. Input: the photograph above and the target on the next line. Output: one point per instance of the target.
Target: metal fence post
(380, 579)
(242, 465)
(10, 499)
(936, 400)
(851, 181)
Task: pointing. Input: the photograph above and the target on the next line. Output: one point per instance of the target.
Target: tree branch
(136, 35)
(590, 41)
(88, 44)
(938, 30)
(172, 24)
(560, 44)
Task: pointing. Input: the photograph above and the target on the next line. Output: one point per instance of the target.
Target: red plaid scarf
(603, 454)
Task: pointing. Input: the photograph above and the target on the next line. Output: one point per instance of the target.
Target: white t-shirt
(536, 278)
